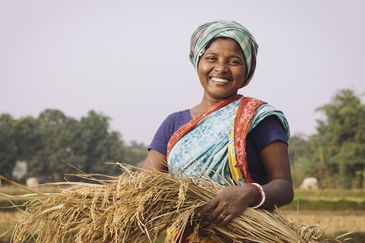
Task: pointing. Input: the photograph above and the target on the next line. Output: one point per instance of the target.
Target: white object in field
(32, 182)
(20, 170)
(309, 183)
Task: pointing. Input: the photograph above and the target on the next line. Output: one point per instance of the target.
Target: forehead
(226, 45)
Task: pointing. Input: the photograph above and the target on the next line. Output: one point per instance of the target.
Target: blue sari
(208, 148)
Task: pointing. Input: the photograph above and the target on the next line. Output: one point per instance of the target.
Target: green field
(336, 211)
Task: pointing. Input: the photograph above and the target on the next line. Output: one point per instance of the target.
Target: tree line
(335, 154)
(54, 144)
(51, 142)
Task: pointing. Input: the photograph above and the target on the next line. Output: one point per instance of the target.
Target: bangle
(262, 192)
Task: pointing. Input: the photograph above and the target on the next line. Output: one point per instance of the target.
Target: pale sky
(129, 59)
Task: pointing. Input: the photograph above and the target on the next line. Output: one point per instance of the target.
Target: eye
(210, 58)
(235, 62)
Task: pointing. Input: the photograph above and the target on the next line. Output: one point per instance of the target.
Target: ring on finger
(221, 216)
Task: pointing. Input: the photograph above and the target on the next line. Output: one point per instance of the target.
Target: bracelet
(262, 192)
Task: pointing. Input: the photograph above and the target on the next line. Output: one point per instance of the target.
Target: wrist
(259, 195)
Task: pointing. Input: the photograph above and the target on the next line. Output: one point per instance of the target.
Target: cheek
(240, 75)
(203, 70)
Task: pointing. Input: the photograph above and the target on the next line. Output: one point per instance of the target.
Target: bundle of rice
(137, 206)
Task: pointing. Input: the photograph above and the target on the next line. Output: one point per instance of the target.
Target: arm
(233, 200)
(279, 189)
(156, 157)
(155, 160)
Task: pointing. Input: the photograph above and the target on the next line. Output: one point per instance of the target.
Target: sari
(213, 144)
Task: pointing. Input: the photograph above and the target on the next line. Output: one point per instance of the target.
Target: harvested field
(329, 221)
(12, 190)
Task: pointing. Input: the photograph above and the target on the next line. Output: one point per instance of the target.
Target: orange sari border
(245, 113)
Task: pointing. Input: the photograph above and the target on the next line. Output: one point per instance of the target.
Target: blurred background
(88, 82)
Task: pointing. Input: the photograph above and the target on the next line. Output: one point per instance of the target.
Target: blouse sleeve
(266, 132)
(162, 136)
(167, 128)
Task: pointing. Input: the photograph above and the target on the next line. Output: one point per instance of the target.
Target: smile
(220, 80)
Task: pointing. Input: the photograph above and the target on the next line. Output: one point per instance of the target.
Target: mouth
(220, 80)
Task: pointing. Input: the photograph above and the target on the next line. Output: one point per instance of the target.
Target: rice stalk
(137, 206)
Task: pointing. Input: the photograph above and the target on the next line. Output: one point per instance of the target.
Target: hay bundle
(137, 206)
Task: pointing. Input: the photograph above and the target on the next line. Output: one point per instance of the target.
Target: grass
(331, 195)
(334, 223)
(16, 195)
(7, 222)
(329, 221)
(339, 205)
(336, 200)
(13, 190)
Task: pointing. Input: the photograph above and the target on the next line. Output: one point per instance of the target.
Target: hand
(230, 202)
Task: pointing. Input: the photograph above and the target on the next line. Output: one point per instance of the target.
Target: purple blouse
(267, 131)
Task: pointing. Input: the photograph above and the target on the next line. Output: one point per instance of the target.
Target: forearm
(279, 189)
(155, 161)
(278, 192)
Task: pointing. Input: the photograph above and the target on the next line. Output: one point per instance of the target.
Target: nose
(220, 67)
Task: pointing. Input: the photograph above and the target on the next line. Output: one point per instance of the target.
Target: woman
(226, 136)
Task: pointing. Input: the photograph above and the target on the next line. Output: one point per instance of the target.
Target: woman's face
(221, 69)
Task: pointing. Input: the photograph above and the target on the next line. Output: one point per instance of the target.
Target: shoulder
(168, 127)
(178, 115)
(267, 131)
(265, 110)
(177, 119)
(271, 122)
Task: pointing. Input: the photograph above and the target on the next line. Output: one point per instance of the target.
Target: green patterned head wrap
(223, 28)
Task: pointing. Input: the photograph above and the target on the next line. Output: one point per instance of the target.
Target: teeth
(219, 80)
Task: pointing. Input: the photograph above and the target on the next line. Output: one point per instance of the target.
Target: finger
(227, 219)
(208, 208)
(220, 218)
(213, 216)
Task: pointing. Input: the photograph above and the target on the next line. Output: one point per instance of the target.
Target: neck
(204, 105)
(208, 102)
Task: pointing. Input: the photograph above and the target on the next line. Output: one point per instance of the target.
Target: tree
(52, 141)
(135, 153)
(98, 144)
(298, 147)
(343, 134)
(66, 143)
(28, 137)
(308, 159)
(8, 148)
(56, 133)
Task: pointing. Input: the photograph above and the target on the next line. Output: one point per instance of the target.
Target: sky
(129, 59)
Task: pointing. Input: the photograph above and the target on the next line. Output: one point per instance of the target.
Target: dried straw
(137, 206)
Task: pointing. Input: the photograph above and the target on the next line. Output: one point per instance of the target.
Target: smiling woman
(227, 137)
